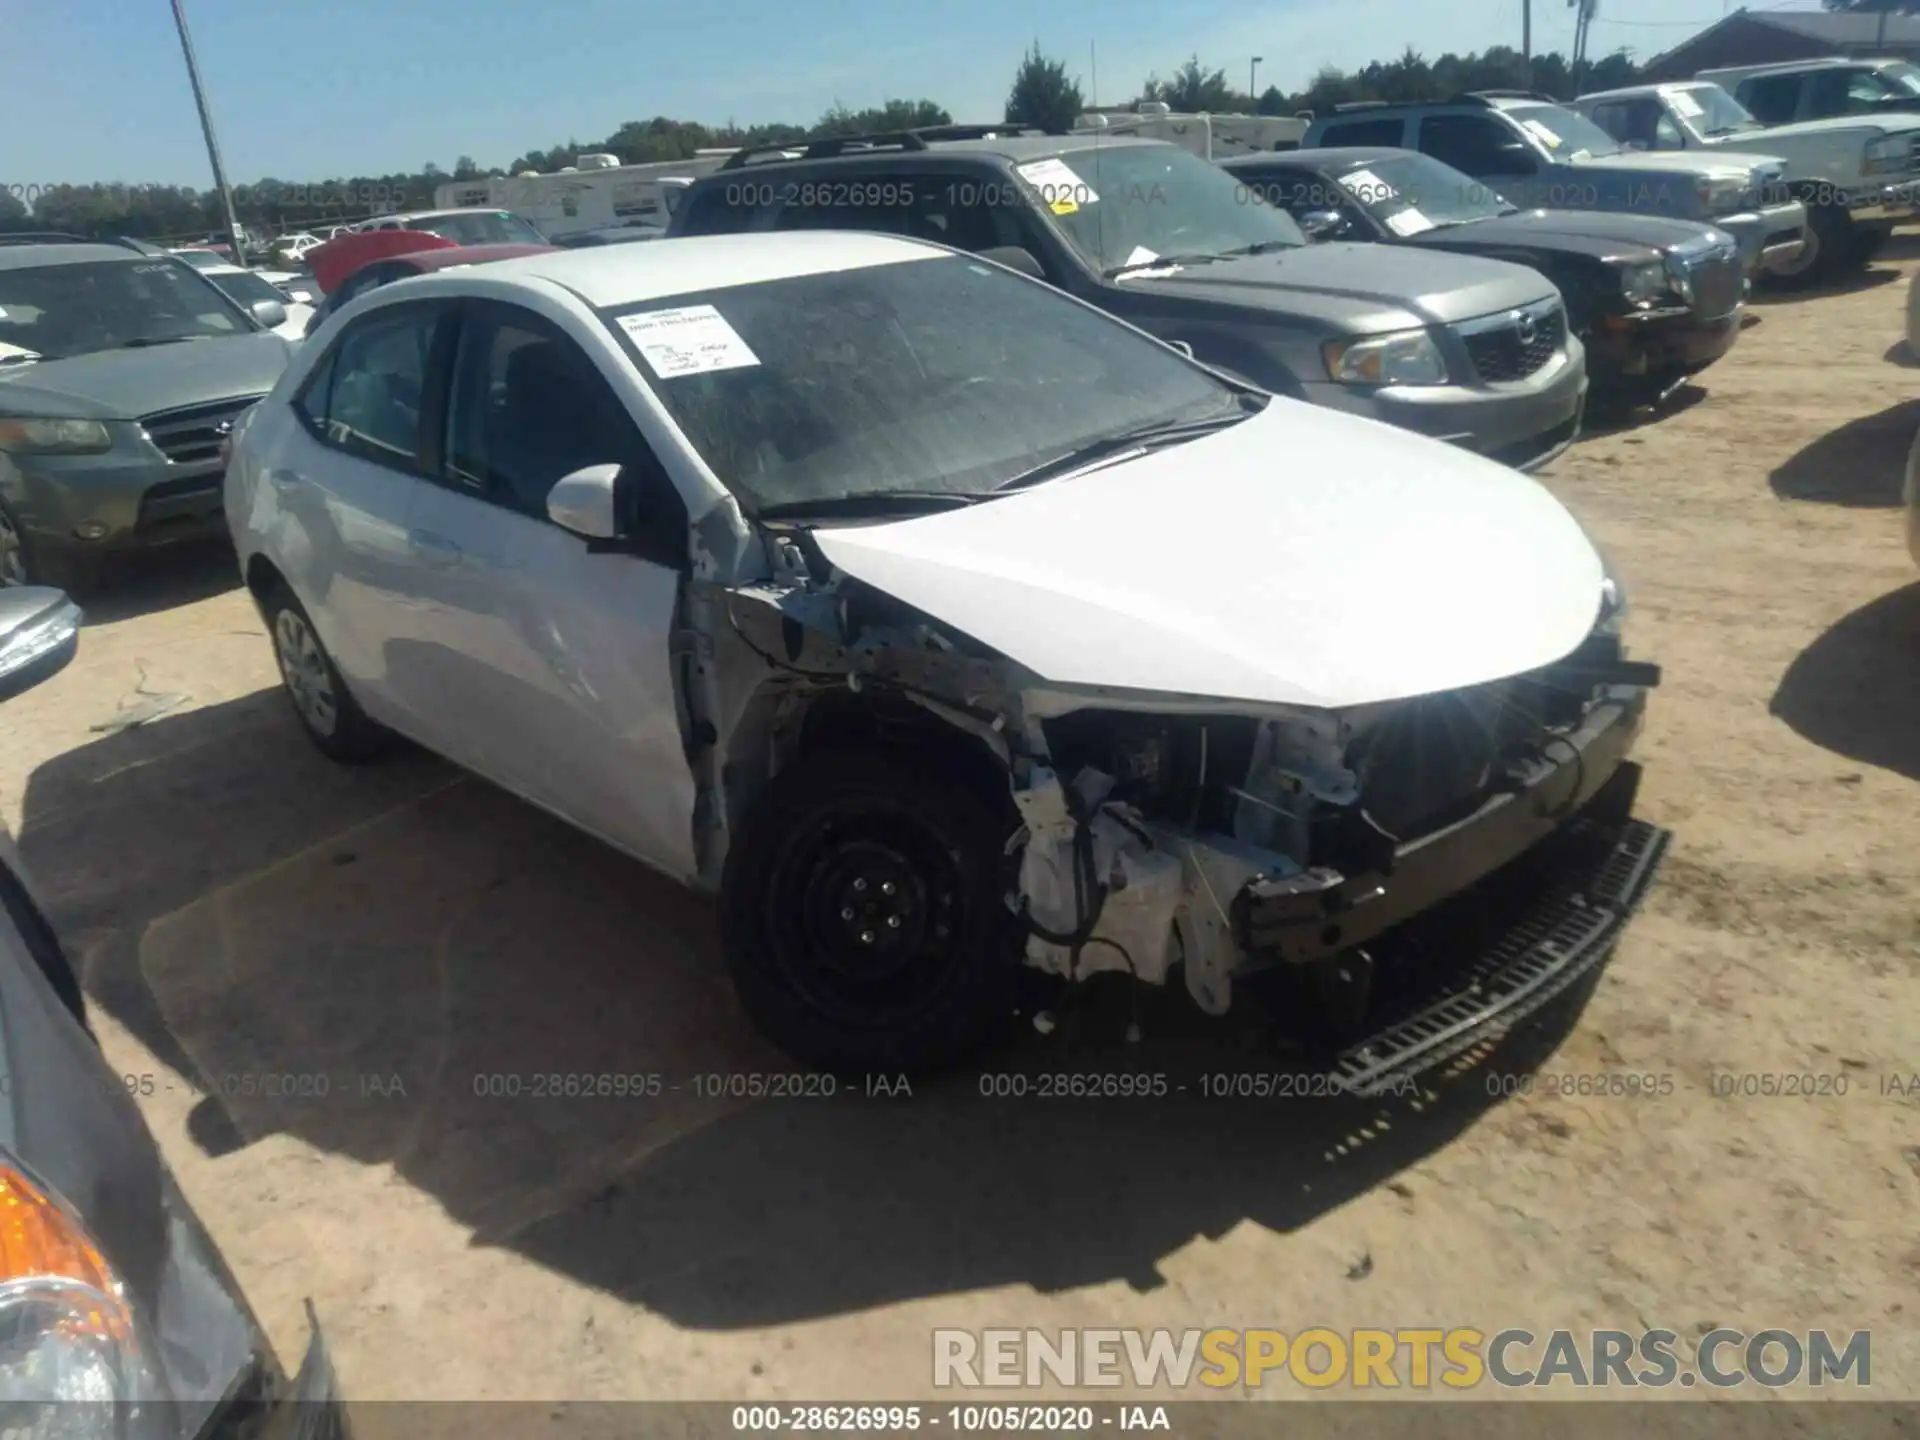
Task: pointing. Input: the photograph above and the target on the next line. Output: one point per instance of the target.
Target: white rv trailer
(1211, 137)
(589, 195)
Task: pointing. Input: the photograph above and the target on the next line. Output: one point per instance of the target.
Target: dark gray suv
(1464, 349)
(121, 373)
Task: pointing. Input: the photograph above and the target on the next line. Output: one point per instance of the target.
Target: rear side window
(726, 207)
(1363, 132)
(367, 397)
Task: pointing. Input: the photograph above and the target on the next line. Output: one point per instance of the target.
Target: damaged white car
(940, 623)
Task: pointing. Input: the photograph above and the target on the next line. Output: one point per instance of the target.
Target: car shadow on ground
(1856, 689)
(1862, 464)
(1766, 296)
(1901, 354)
(408, 967)
(1604, 418)
(160, 580)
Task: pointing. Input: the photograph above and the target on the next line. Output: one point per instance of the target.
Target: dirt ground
(242, 908)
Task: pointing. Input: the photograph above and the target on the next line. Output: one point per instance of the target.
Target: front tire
(1832, 249)
(865, 923)
(327, 712)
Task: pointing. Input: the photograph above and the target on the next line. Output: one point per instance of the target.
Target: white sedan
(939, 622)
(247, 287)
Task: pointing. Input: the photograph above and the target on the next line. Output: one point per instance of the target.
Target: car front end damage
(1428, 870)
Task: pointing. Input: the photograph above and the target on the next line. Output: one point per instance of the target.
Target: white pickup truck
(1857, 174)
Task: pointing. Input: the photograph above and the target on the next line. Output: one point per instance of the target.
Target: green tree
(1193, 89)
(881, 119)
(1043, 95)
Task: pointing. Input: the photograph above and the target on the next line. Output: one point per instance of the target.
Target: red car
(349, 266)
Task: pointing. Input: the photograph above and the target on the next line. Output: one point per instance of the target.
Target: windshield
(1130, 204)
(1563, 132)
(1905, 77)
(60, 310)
(1711, 110)
(943, 375)
(201, 259)
(1411, 193)
(480, 227)
(245, 287)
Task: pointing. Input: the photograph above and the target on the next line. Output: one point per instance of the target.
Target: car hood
(1716, 162)
(126, 384)
(1304, 557)
(1894, 122)
(1606, 234)
(1345, 280)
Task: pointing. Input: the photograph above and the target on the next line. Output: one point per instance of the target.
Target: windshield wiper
(1141, 438)
(22, 357)
(1259, 247)
(146, 341)
(1159, 262)
(875, 502)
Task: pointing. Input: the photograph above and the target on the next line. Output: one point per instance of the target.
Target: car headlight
(68, 1332)
(1404, 357)
(1885, 154)
(54, 437)
(1720, 195)
(1646, 284)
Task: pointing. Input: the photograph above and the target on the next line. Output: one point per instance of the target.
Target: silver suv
(1469, 350)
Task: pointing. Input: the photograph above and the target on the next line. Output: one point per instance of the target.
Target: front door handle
(434, 549)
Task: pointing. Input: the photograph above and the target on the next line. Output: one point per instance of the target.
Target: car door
(550, 654)
(344, 483)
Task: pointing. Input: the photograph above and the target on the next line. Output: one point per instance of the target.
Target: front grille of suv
(192, 435)
(1516, 345)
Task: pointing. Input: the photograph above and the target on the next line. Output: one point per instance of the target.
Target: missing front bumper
(1565, 931)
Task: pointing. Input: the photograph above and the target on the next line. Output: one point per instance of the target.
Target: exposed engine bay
(1153, 831)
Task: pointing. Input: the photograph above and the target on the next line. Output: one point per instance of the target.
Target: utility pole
(1880, 39)
(1253, 94)
(1526, 44)
(206, 128)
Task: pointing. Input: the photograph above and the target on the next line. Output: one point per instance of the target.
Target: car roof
(435, 214)
(1647, 89)
(1317, 157)
(427, 261)
(32, 257)
(1018, 149)
(608, 276)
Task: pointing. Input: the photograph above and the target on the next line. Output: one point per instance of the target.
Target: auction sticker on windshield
(1367, 187)
(690, 340)
(1064, 191)
(1684, 103)
(1408, 222)
(1542, 133)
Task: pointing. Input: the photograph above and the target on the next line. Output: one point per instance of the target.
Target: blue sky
(319, 90)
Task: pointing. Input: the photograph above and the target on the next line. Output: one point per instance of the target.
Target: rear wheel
(865, 922)
(329, 714)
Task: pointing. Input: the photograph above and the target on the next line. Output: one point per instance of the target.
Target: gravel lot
(241, 908)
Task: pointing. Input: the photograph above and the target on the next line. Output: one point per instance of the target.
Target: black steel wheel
(865, 921)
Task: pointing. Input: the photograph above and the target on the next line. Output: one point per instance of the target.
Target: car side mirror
(586, 503)
(1015, 257)
(269, 314)
(39, 634)
(1322, 224)
(599, 504)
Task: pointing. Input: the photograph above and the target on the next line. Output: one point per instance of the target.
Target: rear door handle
(434, 549)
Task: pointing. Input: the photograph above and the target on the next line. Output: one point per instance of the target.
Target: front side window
(375, 386)
(1773, 99)
(54, 311)
(527, 408)
(1362, 133)
(1476, 145)
(1128, 205)
(935, 374)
